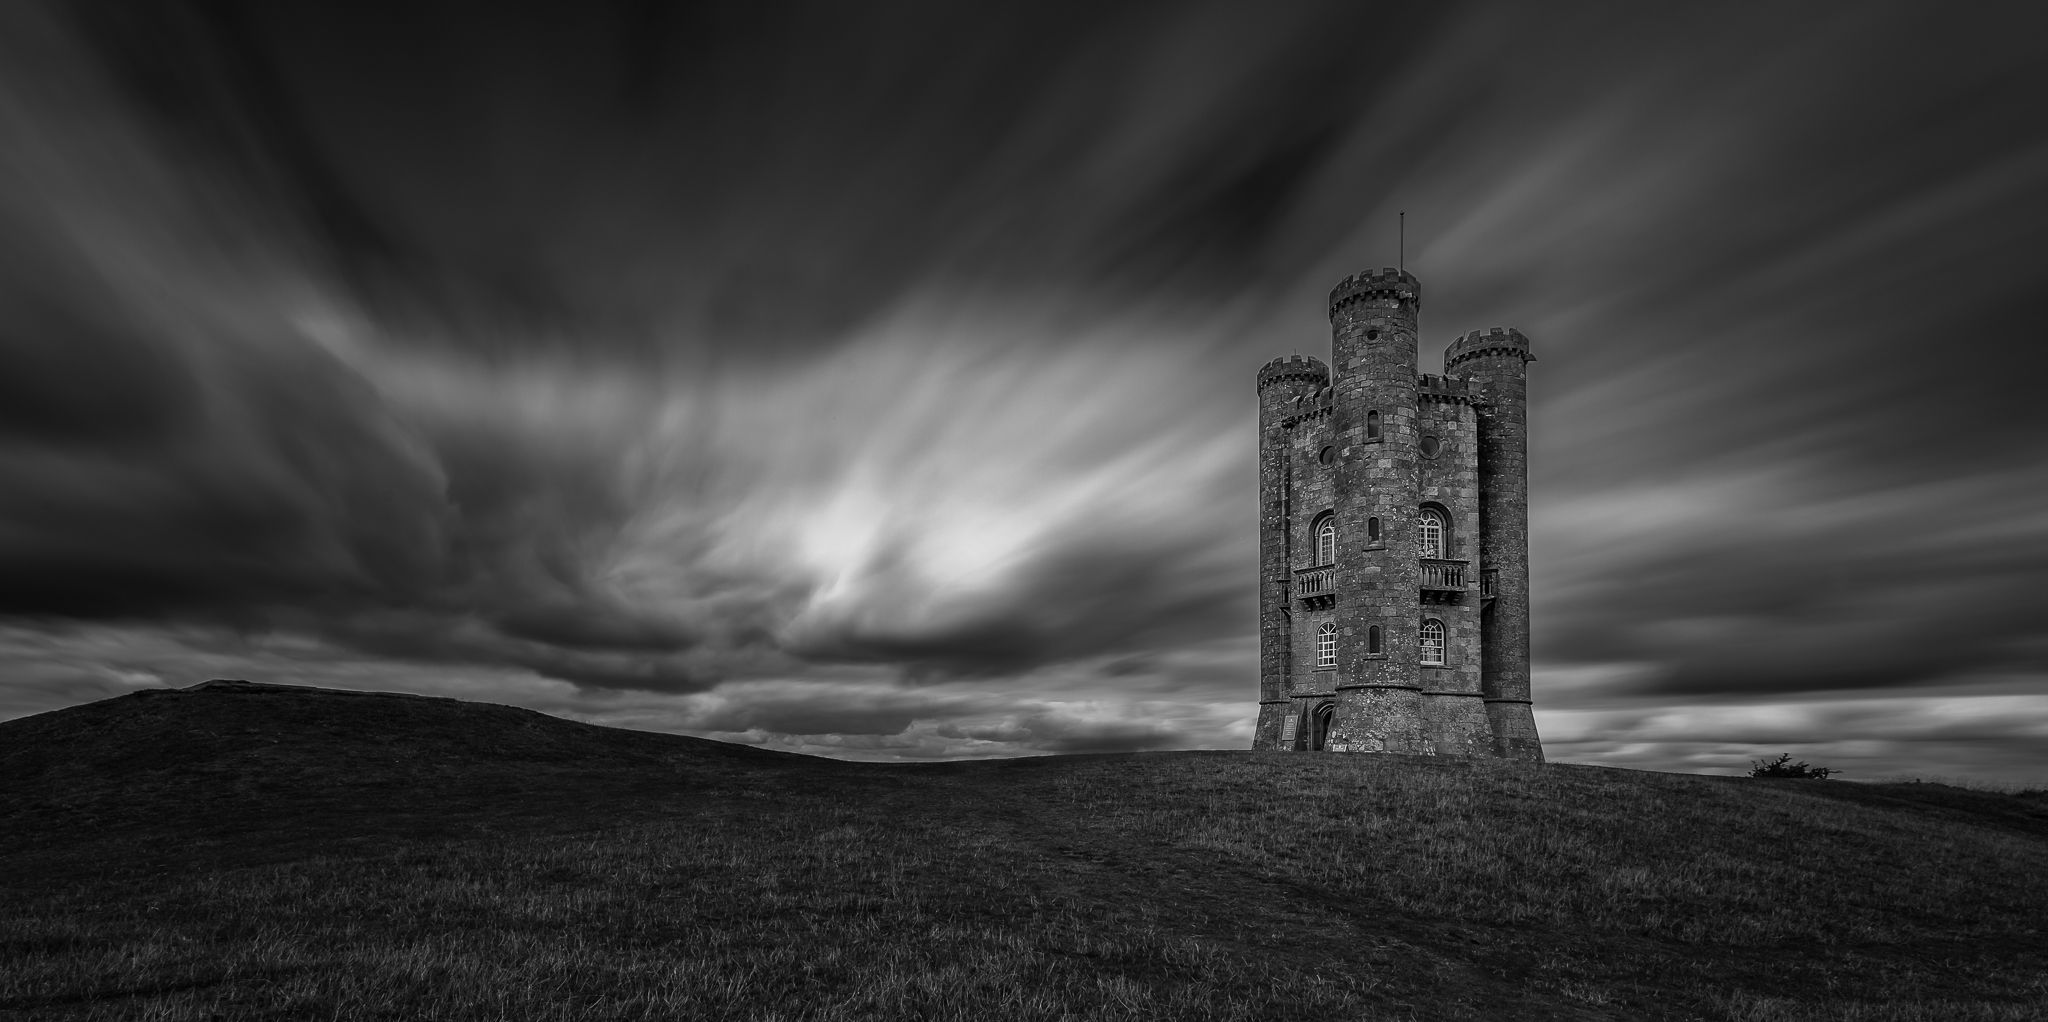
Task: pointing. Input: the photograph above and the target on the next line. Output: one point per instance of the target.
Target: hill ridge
(236, 686)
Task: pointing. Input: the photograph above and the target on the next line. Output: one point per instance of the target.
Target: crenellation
(1490, 342)
(1294, 367)
(1386, 283)
(1445, 389)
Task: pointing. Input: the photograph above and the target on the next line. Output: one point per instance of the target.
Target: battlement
(1313, 405)
(1490, 341)
(1385, 282)
(1447, 389)
(1294, 367)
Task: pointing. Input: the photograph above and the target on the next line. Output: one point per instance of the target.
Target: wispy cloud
(879, 383)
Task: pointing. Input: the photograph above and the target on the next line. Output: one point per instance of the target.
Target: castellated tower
(1394, 538)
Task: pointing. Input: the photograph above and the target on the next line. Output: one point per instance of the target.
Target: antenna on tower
(1401, 249)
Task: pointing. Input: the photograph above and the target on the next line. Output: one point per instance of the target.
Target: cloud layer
(879, 384)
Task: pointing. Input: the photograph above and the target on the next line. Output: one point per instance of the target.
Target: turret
(1286, 385)
(1494, 362)
(1373, 331)
(1288, 377)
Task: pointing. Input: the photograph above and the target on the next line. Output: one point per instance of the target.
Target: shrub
(1784, 767)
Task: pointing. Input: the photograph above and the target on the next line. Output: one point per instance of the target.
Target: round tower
(1284, 384)
(1373, 337)
(1494, 361)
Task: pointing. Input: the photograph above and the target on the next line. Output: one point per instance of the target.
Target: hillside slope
(282, 854)
(158, 770)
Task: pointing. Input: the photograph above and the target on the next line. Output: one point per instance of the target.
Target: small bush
(1784, 767)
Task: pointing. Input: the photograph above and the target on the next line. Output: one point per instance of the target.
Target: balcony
(1316, 586)
(1443, 580)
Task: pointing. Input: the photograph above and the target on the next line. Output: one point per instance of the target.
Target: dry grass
(1204, 886)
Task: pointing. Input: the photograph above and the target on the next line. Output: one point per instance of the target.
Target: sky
(877, 380)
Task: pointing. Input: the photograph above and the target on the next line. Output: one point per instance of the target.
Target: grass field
(203, 854)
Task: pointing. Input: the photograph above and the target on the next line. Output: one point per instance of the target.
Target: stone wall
(1454, 716)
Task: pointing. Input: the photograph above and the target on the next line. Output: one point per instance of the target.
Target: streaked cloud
(878, 384)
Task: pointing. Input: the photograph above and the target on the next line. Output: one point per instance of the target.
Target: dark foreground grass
(561, 872)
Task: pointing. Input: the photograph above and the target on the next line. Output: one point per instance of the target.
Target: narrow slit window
(1372, 639)
(1372, 425)
(1372, 529)
(1326, 645)
(1433, 642)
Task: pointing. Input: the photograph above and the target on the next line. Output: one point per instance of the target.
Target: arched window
(1372, 639)
(1372, 529)
(1433, 642)
(1433, 533)
(1326, 645)
(1372, 425)
(1326, 540)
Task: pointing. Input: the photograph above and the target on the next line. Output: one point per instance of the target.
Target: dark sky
(877, 380)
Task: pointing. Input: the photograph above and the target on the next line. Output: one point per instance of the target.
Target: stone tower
(1394, 538)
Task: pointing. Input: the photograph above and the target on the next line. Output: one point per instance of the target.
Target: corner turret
(1493, 363)
(1294, 367)
(1284, 384)
(1492, 342)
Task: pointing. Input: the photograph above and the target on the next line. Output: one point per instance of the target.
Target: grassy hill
(271, 852)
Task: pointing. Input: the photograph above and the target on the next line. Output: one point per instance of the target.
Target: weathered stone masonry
(1376, 448)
